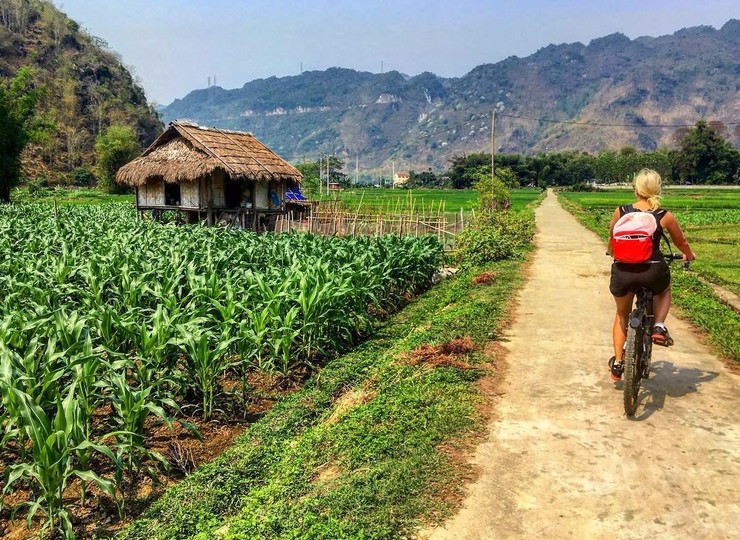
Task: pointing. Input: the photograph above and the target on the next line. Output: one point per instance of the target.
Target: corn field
(107, 323)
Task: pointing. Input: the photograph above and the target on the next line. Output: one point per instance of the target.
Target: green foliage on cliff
(17, 127)
(87, 88)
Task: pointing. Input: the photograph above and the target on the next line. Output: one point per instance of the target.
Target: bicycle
(638, 348)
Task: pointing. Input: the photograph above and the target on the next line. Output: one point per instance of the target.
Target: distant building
(400, 179)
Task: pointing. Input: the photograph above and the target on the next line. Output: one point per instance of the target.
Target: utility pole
(357, 169)
(328, 174)
(393, 174)
(493, 137)
(321, 174)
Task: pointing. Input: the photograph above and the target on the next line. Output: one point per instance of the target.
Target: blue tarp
(294, 194)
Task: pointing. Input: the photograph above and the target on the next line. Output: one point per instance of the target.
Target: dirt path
(562, 460)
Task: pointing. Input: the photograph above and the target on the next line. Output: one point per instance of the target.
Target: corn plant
(131, 409)
(54, 449)
(36, 370)
(282, 339)
(206, 361)
(155, 355)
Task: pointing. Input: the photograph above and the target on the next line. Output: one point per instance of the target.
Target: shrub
(38, 187)
(494, 236)
(582, 187)
(82, 176)
(494, 194)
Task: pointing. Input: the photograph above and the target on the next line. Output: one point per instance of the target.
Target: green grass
(68, 196)
(674, 200)
(314, 469)
(451, 200)
(710, 221)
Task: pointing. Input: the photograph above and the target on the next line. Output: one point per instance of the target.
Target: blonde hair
(647, 186)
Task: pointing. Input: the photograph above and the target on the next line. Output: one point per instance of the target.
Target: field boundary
(728, 297)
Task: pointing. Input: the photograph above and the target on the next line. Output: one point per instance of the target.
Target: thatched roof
(186, 152)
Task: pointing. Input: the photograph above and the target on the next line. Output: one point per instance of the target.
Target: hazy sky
(173, 46)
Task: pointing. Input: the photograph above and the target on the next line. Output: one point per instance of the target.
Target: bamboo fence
(335, 218)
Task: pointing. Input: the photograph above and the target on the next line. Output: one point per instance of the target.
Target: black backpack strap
(626, 209)
(660, 214)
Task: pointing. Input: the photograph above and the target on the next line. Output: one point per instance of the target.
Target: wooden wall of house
(261, 195)
(151, 193)
(189, 194)
(217, 180)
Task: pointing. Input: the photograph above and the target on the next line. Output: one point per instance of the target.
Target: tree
(315, 173)
(464, 169)
(508, 177)
(17, 127)
(113, 149)
(494, 195)
(334, 166)
(704, 156)
(311, 177)
(426, 179)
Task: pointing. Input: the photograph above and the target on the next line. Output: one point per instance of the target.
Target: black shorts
(627, 277)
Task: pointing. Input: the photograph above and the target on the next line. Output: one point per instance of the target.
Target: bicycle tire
(631, 370)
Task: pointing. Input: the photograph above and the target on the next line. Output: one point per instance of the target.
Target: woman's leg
(661, 305)
(619, 330)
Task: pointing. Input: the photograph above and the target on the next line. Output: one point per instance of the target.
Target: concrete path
(562, 460)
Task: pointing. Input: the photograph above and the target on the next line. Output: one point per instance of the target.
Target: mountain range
(612, 92)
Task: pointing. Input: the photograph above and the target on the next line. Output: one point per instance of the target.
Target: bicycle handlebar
(677, 257)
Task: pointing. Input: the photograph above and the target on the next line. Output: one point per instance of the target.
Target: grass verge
(366, 449)
(695, 299)
(68, 195)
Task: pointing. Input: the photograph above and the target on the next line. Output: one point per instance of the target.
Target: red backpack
(634, 233)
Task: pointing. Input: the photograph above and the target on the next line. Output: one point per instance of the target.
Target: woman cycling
(653, 275)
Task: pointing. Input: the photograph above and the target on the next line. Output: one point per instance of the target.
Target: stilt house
(213, 175)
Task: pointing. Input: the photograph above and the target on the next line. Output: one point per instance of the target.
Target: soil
(183, 451)
(561, 459)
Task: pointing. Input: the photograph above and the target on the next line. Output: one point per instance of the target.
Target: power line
(603, 124)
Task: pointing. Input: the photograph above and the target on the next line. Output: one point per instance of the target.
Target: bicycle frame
(641, 320)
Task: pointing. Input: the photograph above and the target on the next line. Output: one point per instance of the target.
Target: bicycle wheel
(632, 352)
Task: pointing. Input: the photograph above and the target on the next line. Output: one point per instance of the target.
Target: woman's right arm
(670, 224)
(615, 217)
